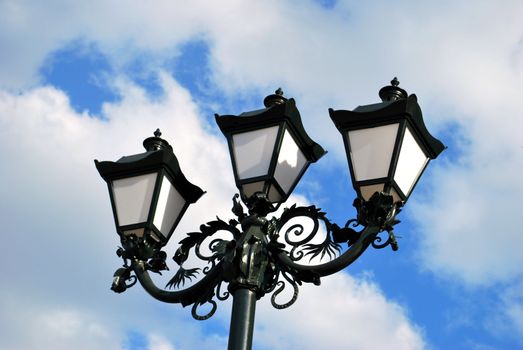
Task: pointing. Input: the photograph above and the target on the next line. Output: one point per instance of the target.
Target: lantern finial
(275, 99)
(156, 143)
(395, 82)
(393, 92)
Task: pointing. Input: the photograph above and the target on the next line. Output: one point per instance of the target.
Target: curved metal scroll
(376, 215)
(254, 258)
(190, 295)
(203, 291)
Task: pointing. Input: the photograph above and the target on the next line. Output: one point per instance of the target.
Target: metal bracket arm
(367, 237)
(186, 296)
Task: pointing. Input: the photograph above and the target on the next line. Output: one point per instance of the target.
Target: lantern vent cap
(156, 143)
(275, 99)
(393, 92)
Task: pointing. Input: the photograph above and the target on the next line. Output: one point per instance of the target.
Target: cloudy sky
(85, 80)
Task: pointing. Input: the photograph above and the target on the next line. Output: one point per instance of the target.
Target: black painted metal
(260, 256)
(242, 319)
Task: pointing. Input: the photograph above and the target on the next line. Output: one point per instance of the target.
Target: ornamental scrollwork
(265, 255)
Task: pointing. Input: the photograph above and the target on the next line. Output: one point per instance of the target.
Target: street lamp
(387, 146)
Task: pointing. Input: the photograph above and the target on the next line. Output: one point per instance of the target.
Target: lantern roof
(278, 109)
(159, 155)
(386, 112)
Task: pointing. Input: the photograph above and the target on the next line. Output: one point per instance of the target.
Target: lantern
(387, 144)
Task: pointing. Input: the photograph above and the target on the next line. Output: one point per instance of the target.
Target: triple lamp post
(388, 147)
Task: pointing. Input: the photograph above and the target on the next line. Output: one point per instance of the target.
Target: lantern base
(260, 205)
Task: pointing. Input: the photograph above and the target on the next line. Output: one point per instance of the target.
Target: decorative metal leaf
(346, 234)
(181, 276)
(193, 238)
(219, 247)
(237, 208)
(157, 262)
(122, 279)
(181, 255)
(327, 247)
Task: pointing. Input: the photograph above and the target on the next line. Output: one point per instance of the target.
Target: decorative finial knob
(156, 143)
(395, 82)
(275, 99)
(393, 92)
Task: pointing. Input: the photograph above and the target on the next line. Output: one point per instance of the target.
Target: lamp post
(387, 146)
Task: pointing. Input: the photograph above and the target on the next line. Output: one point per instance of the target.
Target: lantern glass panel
(170, 205)
(274, 196)
(368, 190)
(395, 196)
(132, 198)
(371, 151)
(253, 187)
(253, 151)
(138, 232)
(290, 162)
(411, 162)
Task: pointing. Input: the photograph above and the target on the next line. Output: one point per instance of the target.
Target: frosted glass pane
(411, 162)
(371, 151)
(274, 196)
(369, 190)
(252, 188)
(136, 232)
(170, 204)
(132, 198)
(253, 151)
(395, 196)
(290, 162)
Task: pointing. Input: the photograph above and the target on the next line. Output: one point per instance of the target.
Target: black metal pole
(242, 319)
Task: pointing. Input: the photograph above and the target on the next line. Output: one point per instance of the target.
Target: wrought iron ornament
(258, 252)
(264, 255)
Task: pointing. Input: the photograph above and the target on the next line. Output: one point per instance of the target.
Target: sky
(89, 80)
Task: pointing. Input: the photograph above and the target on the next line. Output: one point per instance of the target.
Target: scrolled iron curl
(202, 256)
(211, 259)
(298, 229)
(194, 310)
(377, 242)
(296, 254)
(352, 222)
(280, 286)
(131, 281)
(220, 296)
(209, 267)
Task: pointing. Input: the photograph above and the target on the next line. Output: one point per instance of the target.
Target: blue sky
(76, 87)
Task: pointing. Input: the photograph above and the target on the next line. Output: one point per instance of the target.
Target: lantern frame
(396, 108)
(158, 159)
(282, 113)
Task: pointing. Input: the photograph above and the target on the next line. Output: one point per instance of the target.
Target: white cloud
(49, 148)
(464, 62)
(514, 309)
(59, 216)
(157, 342)
(33, 325)
(507, 320)
(344, 312)
(468, 225)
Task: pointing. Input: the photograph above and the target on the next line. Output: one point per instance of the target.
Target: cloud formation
(50, 148)
(464, 62)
